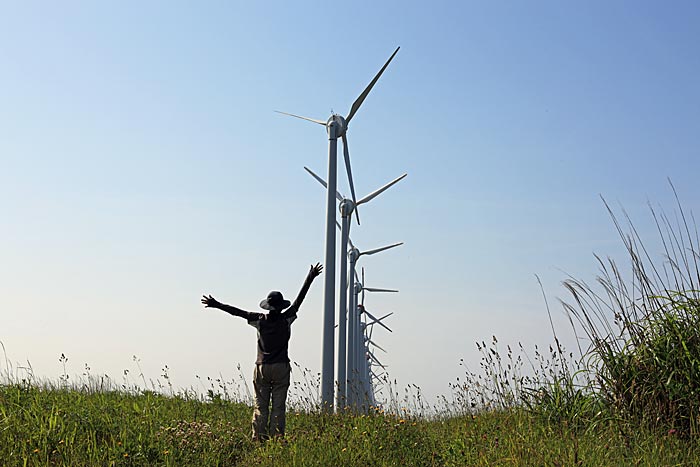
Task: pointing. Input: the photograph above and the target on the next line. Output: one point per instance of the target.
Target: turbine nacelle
(354, 254)
(340, 123)
(347, 206)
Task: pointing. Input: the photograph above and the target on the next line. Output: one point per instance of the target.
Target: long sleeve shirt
(274, 329)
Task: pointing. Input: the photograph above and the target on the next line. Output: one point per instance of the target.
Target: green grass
(71, 427)
(642, 320)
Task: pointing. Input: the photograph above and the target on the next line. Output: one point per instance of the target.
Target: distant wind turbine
(357, 360)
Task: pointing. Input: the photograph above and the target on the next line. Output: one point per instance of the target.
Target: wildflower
(36, 450)
(344, 449)
(126, 454)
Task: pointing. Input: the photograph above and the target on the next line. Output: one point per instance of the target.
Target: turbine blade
(379, 320)
(346, 154)
(376, 361)
(338, 196)
(319, 179)
(385, 316)
(374, 344)
(320, 122)
(350, 241)
(363, 286)
(381, 190)
(377, 250)
(371, 316)
(370, 289)
(376, 320)
(358, 102)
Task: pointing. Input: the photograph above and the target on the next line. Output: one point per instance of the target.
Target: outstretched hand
(210, 302)
(316, 270)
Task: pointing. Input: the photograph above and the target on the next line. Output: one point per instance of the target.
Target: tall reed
(643, 324)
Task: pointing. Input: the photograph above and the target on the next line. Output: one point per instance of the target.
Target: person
(272, 367)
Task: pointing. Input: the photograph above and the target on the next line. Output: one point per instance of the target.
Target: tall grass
(642, 321)
(637, 330)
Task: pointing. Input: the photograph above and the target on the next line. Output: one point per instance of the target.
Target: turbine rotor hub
(340, 124)
(346, 207)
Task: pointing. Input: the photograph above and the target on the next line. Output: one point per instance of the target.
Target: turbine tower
(336, 126)
(347, 206)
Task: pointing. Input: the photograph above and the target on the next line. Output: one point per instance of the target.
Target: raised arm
(211, 302)
(314, 272)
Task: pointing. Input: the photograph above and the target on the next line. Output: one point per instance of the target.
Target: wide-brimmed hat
(274, 301)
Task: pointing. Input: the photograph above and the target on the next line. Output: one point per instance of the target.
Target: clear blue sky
(142, 165)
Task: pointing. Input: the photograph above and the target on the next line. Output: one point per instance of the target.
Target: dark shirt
(274, 328)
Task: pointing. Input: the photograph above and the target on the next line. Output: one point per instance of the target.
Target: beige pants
(271, 381)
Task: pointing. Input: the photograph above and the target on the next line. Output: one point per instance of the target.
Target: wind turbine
(336, 126)
(347, 206)
(368, 358)
(357, 359)
(369, 374)
(354, 345)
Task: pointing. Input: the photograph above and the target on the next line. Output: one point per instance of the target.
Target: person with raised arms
(272, 367)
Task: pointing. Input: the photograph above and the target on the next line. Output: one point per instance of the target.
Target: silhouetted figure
(272, 368)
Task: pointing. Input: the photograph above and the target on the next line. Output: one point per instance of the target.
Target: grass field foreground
(54, 426)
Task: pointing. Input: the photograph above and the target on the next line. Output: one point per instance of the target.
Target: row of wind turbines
(356, 363)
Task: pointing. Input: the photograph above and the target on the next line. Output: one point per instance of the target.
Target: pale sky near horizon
(142, 165)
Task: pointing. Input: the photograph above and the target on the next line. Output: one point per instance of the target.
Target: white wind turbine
(357, 360)
(369, 374)
(336, 126)
(347, 206)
